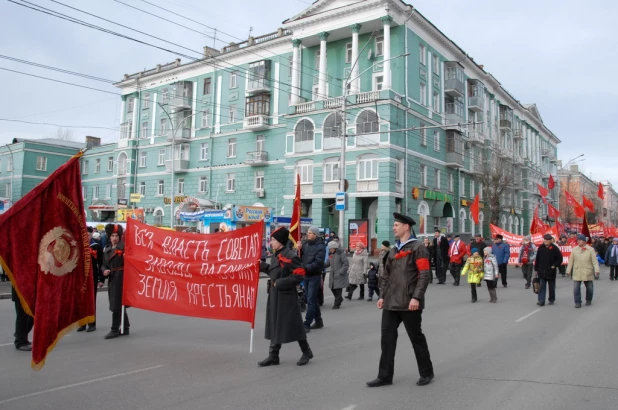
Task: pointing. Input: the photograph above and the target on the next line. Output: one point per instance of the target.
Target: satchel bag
(536, 285)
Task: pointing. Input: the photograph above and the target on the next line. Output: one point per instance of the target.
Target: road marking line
(527, 316)
(68, 386)
(351, 407)
(7, 344)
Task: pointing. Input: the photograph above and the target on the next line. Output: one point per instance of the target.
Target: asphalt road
(511, 355)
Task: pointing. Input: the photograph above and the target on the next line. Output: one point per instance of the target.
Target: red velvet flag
(537, 225)
(48, 260)
(586, 230)
(551, 184)
(552, 212)
(544, 192)
(295, 222)
(600, 192)
(587, 203)
(474, 209)
(571, 201)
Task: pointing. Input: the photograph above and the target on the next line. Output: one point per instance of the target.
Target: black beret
(498, 237)
(547, 237)
(386, 243)
(403, 219)
(90, 229)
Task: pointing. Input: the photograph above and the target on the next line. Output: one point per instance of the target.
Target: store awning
(442, 209)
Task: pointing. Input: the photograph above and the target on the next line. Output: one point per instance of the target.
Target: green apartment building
(422, 122)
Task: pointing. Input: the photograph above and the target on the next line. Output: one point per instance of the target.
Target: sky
(559, 54)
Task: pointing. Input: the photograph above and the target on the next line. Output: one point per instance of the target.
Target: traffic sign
(340, 201)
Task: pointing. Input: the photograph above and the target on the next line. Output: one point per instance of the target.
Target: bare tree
(499, 177)
(65, 134)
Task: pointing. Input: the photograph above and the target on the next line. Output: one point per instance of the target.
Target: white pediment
(322, 6)
(534, 110)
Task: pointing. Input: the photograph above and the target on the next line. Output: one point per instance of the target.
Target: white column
(355, 87)
(295, 72)
(429, 81)
(276, 95)
(386, 85)
(322, 84)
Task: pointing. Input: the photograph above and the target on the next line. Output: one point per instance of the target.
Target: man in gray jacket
(339, 265)
(527, 256)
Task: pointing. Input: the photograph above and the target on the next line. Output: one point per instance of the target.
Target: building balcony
(256, 158)
(505, 153)
(330, 187)
(368, 96)
(366, 140)
(476, 104)
(259, 86)
(454, 87)
(182, 93)
(256, 122)
(476, 92)
(333, 102)
(454, 79)
(333, 142)
(544, 153)
(183, 134)
(180, 103)
(454, 150)
(366, 186)
(477, 136)
(477, 169)
(180, 165)
(518, 134)
(304, 107)
(454, 114)
(454, 160)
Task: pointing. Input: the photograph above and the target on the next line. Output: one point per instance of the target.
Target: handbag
(536, 285)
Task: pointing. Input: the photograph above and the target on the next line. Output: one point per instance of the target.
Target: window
(231, 182)
(108, 191)
(181, 186)
(481, 191)
(146, 102)
(97, 165)
(462, 186)
(122, 164)
(144, 133)
(163, 126)
(303, 136)
(437, 177)
(203, 184)
(435, 64)
(348, 53)
(331, 170)
(423, 175)
(41, 163)
(204, 151)
(291, 66)
(161, 157)
(367, 168)
(367, 122)
(131, 104)
(436, 140)
(165, 96)
(232, 116)
(257, 105)
(379, 46)
(423, 96)
(259, 179)
(423, 133)
(399, 171)
(260, 143)
(234, 79)
(125, 130)
(316, 92)
(231, 148)
(436, 102)
(85, 167)
(181, 152)
(161, 187)
(471, 189)
(451, 183)
(95, 192)
(142, 159)
(422, 55)
(84, 192)
(9, 164)
(305, 170)
(333, 126)
(110, 164)
(207, 84)
(378, 81)
(206, 118)
(259, 75)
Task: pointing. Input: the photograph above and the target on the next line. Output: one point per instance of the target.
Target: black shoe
(348, 297)
(370, 300)
(24, 348)
(307, 329)
(455, 283)
(317, 325)
(336, 306)
(504, 286)
(473, 300)
(423, 381)
(540, 303)
(362, 297)
(379, 383)
(269, 361)
(304, 359)
(478, 285)
(441, 283)
(125, 332)
(551, 302)
(578, 305)
(81, 328)
(588, 303)
(91, 329)
(112, 335)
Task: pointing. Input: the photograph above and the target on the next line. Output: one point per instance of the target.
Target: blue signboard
(340, 201)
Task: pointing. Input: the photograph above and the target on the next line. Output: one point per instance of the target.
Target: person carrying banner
(402, 299)
(611, 259)
(456, 255)
(313, 253)
(284, 322)
(548, 258)
(441, 248)
(502, 250)
(339, 265)
(113, 270)
(527, 256)
(96, 256)
(562, 267)
(23, 324)
(583, 267)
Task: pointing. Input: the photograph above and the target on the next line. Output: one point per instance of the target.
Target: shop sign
(467, 202)
(177, 199)
(251, 214)
(415, 193)
(438, 196)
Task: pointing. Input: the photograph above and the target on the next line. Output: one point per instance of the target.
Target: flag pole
(122, 320)
(251, 342)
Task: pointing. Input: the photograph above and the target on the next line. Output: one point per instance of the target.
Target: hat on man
(113, 228)
(547, 237)
(478, 235)
(388, 244)
(333, 245)
(456, 235)
(404, 219)
(498, 237)
(314, 230)
(581, 237)
(437, 230)
(96, 235)
(282, 235)
(615, 240)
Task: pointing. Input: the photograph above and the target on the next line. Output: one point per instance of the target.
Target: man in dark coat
(313, 253)
(339, 266)
(113, 269)
(96, 255)
(284, 322)
(402, 299)
(23, 324)
(440, 246)
(548, 258)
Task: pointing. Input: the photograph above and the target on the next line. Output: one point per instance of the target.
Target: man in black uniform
(96, 255)
(402, 299)
(440, 246)
(23, 325)
(113, 269)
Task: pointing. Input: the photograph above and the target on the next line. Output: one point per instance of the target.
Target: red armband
(299, 272)
(423, 264)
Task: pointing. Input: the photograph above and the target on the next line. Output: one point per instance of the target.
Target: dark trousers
(312, 286)
(473, 290)
(275, 348)
(412, 322)
(117, 318)
(527, 269)
(441, 270)
(544, 284)
(562, 269)
(94, 324)
(502, 271)
(372, 289)
(23, 325)
(338, 298)
(577, 290)
(321, 292)
(613, 272)
(353, 288)
(456, 271)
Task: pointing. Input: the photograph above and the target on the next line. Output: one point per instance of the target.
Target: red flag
(586, 231)
(543, 191)
(571, 201)
(537, 226)
(552, 212)
(474, 209)
(295, 222)
(48, 258)
(587, 203)
(551, 184)
(600, 192)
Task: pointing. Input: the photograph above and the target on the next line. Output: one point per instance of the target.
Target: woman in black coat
(113, 270)
(284, 322)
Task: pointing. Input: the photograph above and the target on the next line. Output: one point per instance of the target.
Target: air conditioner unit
(260, 193)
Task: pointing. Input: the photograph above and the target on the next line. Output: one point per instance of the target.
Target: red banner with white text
(212, 276)
(515, 242)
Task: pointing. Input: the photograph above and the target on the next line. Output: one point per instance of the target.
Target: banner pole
(251, 342)
(122, 320)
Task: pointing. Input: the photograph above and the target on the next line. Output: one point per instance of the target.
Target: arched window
(423, 213)
(472, 225)
(158, 217)
(303, 136)
(333, 126)
(503, 222)
(367, 122)
(462, 220)
(510, 224)
(122, 164)
(304, 168)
